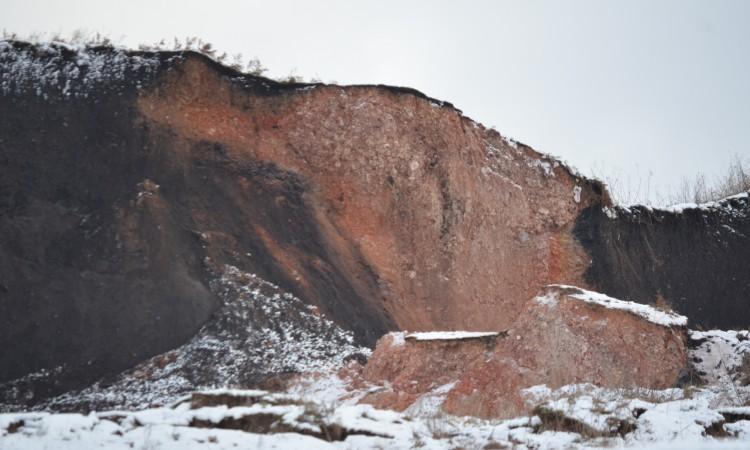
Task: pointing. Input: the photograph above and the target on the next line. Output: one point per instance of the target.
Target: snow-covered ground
(596, 418)
(321, 413)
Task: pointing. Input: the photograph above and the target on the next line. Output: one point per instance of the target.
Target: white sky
(626, 88)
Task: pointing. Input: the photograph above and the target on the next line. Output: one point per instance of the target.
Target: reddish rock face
(441, 222)
(558, 339)
(385, 209)
(415, 367)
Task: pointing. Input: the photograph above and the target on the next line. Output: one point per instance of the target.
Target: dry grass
(554, 420)
(441, 426)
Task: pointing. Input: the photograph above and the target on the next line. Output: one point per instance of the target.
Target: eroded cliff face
(130, 180)
(692, 258)
(428, 216)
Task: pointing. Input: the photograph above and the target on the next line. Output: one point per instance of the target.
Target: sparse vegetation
(494, 445)
(699, 189)
(629, 189)
(82, 38)
(554, 420)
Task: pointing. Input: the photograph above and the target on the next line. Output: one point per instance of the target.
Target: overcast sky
(626, 88)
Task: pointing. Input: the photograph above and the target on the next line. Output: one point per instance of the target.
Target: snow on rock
(724, 203)
(399, 337)
(602, 411)
(511, 143)
(450, 335)
(733, 206)
(53, 69)
(719, 356)
(686, 419)
(639, 417)
(654, 315)
(577, 194)
(547, 299)
(546, 166)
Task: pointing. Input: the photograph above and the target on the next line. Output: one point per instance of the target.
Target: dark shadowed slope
(695, 259)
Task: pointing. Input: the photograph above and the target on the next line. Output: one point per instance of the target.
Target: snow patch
(718, 355)
(397, 338)
(718, 204)
(549, 299)
(659, 317)
(577, 194)
(450, 335)
(54, 69)
(510, 142)
(610, 212)
(546, 166)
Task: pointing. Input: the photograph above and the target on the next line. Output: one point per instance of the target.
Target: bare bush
(254, 67)
(637, 189)
(626, 188)
(734, 180)
(78, 37)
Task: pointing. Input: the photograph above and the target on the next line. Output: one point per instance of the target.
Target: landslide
(130, 179)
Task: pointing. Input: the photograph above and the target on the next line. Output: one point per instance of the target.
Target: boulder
(564, 335)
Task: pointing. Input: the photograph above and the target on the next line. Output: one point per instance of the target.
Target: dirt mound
(563, 336)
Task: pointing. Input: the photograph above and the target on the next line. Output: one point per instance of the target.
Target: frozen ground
(321, 413)
(586, 417)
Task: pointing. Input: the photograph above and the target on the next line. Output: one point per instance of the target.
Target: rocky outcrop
(130, 179)
(563, 336)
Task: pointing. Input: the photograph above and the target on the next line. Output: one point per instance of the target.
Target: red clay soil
(433, 218)
(554, 343)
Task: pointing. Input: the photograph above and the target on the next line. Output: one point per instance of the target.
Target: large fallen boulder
(564, 335)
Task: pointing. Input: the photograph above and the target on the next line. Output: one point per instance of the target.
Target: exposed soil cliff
(129, 179)
(434, 219)
(132, 180)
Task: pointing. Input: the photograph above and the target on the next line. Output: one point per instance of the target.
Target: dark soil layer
(696, 261)
(105, 256)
